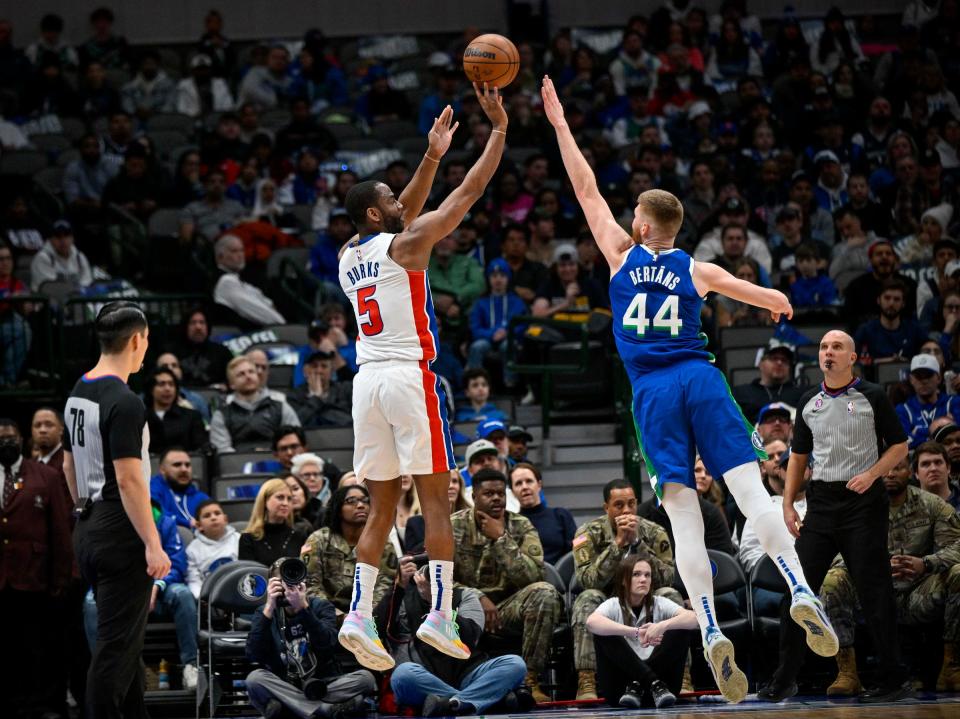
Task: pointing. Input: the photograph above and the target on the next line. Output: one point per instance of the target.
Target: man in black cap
(518, 438)
(949, 436)
(319, 402)
(774, 385)
(733, 211)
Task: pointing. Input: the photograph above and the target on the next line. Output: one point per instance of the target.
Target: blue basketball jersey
(656, 311)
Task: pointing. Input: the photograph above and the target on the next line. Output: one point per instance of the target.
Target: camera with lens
(293, 572)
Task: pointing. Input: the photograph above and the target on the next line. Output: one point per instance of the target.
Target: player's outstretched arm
(708, 277)
(613, 241)
(412, 247)
(415, 194)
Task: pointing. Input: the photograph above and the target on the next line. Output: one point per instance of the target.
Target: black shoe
(662, 697)
(353, 707)
(273, 710)
(776, 691)
(460, 709)
(434, 706)
(887, 694)
(525, 701)
(633, 696)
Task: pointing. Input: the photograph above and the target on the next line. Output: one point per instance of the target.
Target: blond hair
(663, 210)
(236, 362)
(258, 517)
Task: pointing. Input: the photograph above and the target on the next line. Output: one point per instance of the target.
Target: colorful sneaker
(443, 635)
(807, 611)
(718, 651)
(359, 635)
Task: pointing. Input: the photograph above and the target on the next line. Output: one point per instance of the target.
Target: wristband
(500, 131)
(636, 634)
(427, 155)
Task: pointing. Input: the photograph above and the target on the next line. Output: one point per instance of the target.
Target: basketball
(491, 59)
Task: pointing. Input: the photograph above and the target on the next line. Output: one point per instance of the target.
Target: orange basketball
(491, 59)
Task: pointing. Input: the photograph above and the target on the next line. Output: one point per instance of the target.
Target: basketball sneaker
(718, 651)
(443, 635)
(807, 611)
(359, 635)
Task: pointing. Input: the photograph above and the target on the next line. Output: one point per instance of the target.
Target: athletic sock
(746, 485)
(441, 585)
(364, 579)
(690, 553)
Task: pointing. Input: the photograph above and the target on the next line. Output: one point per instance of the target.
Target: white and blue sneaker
(807, 611)
(718, 651)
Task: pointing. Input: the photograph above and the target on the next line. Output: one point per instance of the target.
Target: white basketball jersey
(393, 306)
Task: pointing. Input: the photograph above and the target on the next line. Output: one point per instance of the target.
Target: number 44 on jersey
(667, 318)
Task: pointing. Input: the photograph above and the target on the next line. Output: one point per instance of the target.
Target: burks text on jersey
(363, 271)
(661, 275)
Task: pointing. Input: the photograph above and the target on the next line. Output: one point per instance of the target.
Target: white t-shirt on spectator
(750, 551)
(663, 609)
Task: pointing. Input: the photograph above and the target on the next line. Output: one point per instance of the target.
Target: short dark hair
(732, 226)
(892, 283)
(534, 158)
(334, 519)
(516, 227)
(116, 323)
(930, 447)
(842, 212)
(285, 429)
(203, 505)
(807, 251)
(361, 197)
(101, 13)
(616, 484)
(488, 474)
(524, 465)
(47, 408)
(51, 22)
(473, 373)
(453, 163)
(7, 422)
(172, 448)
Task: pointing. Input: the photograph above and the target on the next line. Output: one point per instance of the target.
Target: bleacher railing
(47, 343)
(546, 370)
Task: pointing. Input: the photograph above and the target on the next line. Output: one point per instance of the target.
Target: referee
(853, 433)
(117, 545)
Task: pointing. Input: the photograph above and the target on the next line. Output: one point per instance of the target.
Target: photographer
(428, 680)
(293, 639)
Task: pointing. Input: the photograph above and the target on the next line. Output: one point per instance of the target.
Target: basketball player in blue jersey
(681, 401)
(399, 409)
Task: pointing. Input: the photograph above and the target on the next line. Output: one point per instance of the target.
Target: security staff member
(108, 472)
(36, 559)
(852, 430)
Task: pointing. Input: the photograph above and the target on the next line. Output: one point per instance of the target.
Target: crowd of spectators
(817, 157)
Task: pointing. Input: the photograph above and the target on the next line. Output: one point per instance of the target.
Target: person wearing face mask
(35, 567)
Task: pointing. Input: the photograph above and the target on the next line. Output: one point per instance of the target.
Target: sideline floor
(924, 706)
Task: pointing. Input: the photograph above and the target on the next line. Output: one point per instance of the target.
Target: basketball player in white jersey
(399, 408)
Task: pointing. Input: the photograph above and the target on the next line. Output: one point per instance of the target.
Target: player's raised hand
(780, 306)
(551, 103)
(492, 104)
(441, 134)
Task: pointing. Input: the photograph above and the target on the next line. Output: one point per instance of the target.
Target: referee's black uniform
(106, 421)
(844, 432)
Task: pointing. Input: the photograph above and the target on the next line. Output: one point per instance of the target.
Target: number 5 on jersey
(667, 318)
(369, 310)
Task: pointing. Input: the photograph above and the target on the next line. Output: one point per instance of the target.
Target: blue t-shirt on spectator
(816, 291)
(876, 341)
(488, 411)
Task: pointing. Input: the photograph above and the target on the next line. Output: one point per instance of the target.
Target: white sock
(693, 564)
(364, 579)
(441, 585)
(746, 486)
